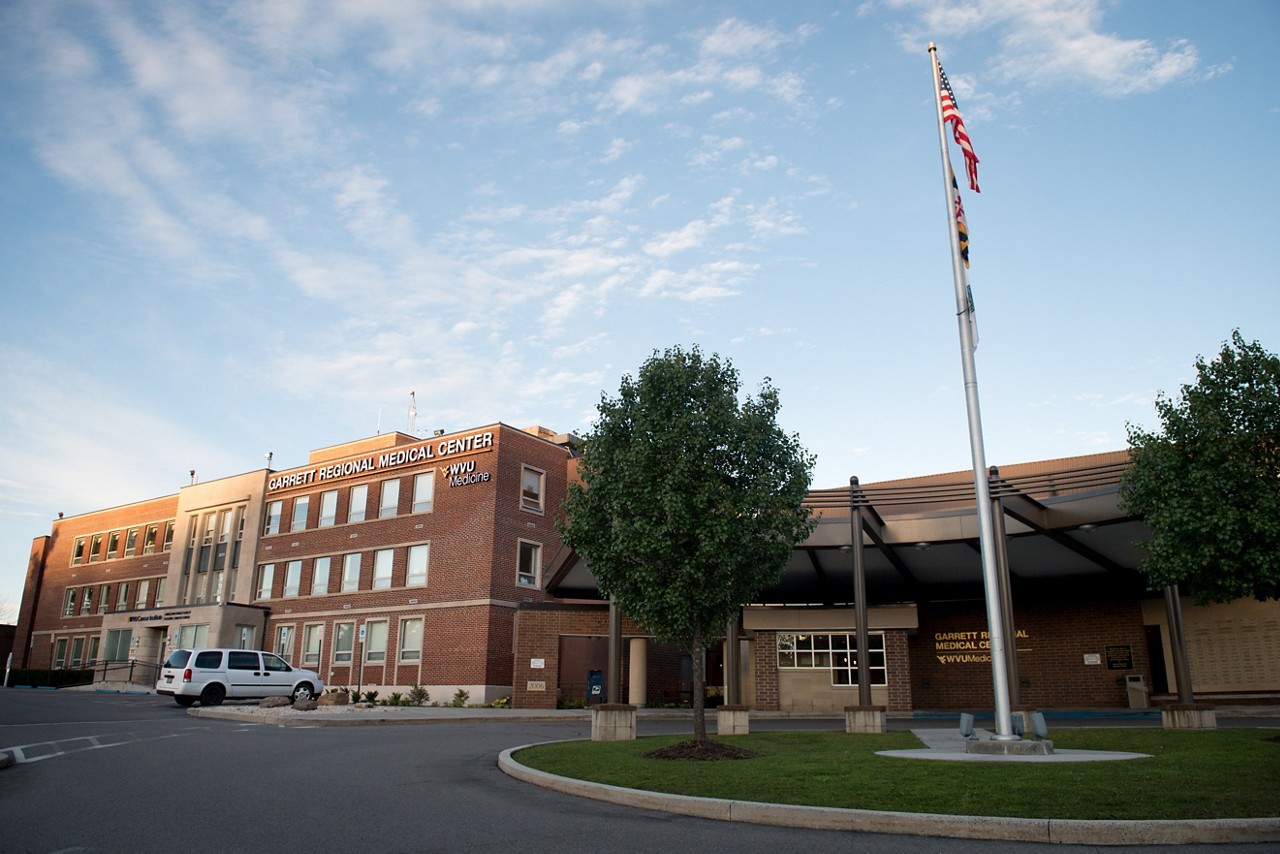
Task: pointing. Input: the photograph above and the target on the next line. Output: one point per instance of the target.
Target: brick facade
(539, 633)
(1054, 637)
(54, 572)
(494, 491)
(471, 531)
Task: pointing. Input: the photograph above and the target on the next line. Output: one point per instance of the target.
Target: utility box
(1136, 685)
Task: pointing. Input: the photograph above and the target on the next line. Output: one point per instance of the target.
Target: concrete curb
(1061, 831)
(288, 717)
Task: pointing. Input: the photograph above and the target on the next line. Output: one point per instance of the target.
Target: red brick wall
(50, 572)
(764, 652)
(471, 592)
(1054, 637)
(539, 629)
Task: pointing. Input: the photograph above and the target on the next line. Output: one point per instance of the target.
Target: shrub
(418, 695)
(460, 698)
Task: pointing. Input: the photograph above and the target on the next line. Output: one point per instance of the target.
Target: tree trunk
(699, 653)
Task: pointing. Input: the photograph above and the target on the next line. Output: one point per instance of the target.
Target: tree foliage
(690, 501)
(1208, 484)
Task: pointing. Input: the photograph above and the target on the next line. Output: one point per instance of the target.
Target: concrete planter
(1189, 716)
(613, 722)
(864, 718)
(733, 720)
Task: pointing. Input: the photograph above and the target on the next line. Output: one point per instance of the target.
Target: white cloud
(1057, 43)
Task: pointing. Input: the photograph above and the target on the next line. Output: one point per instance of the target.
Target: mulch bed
(701, 751)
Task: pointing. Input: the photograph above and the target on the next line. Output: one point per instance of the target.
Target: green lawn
(1231, 773)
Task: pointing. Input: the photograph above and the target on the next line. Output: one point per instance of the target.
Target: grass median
(1190, 774)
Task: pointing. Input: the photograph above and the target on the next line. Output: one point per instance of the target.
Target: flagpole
(982, 489)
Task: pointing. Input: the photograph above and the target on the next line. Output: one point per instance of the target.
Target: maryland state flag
(962, 227)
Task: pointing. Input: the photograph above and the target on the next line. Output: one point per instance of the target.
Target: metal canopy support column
(613, 675)
(732, 664)
(859, 591)
(1005, 587)
(1178, 643)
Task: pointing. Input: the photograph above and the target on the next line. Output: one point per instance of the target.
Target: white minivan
(214, 675)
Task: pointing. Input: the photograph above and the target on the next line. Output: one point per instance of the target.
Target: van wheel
(304, 692)
(212, 695)
(184, 701)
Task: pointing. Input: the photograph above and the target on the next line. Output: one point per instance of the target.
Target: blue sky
(239, 228)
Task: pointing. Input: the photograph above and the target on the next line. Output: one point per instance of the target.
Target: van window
(210, 659)
(178, 658)
(241, 660)
(274, 662)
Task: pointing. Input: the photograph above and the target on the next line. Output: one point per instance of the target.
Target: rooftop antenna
(270, 455)
(413, 415)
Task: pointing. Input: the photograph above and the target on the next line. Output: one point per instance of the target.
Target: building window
(131, 543)
(284, 642)
(168, 536)
(69, 606)
(113, 545)
(531, 483)
(328, 508)
(835, 652)
(375, 641)
(424, 490)
(118, 643)
(411, 639)
(95, 548)
(390, 504)
(77, 652)
(344, 635)
(311, 644)
(359, 503)
(144, 588)
(382, 569)
(266, 574)
(320, 576)
(292, 577)
(94, 642)
(301, 505)
(104, 595)
(87, 605)
(77, 554)
(244, 637)
(194, 636)
(60, 654)
(530, 562)
(351, 572)
(149, 544)
(272, 526)
(122, 596)
(419, 557)
(160, 591)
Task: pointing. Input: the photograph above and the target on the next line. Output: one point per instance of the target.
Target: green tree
(1208, 484)
(690, 501)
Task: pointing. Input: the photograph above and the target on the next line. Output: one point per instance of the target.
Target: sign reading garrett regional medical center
(442, 449)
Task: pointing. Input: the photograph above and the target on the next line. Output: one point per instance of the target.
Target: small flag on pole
(951, 113)
(962, 227)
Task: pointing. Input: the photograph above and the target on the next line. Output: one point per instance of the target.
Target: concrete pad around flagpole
(950, 746)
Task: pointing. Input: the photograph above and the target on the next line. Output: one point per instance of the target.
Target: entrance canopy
(1061, 519)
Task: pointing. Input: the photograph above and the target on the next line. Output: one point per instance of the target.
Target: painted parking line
(26, 753)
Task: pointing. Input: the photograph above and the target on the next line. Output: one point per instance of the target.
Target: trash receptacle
(595, 686)
(1136, 685)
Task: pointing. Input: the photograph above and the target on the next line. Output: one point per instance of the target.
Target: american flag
(951, 113)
